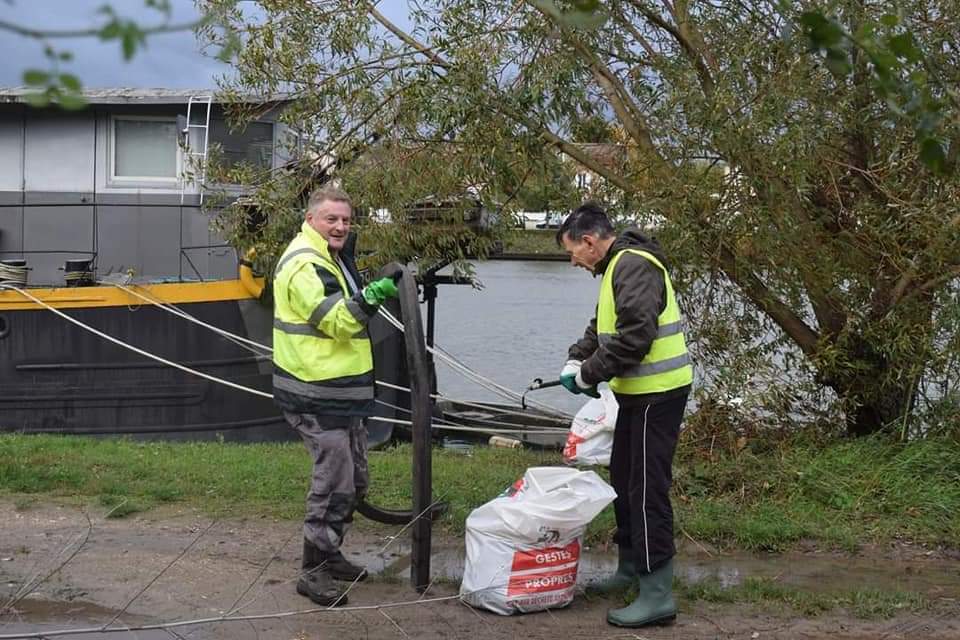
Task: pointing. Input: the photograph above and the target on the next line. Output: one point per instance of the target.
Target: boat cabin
(122, 182)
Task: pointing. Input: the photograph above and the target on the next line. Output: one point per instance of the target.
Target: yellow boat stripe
(110, 296)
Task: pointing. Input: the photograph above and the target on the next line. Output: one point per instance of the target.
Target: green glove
(379, 290)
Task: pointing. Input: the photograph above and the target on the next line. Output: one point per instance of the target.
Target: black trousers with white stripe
(644, 442)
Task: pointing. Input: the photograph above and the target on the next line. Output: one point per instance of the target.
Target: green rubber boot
(621, 580)
(654, 603)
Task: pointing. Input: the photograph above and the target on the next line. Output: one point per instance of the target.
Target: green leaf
(72, 101)
(587, 6)
(904, 47)
(230, 48)
(65, 56)
(932, 155)
(70, 82)
(129, 44)
(584, 20)
(884, 62)
(110, 31)
(33, 77)
(548, 6)
(889, 20)
(37, 99)
(838, 63)
(866, 31)
(822, 32)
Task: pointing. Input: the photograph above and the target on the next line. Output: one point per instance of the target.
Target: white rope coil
(13, 274)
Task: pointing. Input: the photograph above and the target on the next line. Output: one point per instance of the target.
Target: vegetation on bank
(867, 602)
(532, 242)
(756, 495)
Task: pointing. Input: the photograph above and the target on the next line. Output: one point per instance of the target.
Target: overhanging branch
(689, 48)
(758, 293)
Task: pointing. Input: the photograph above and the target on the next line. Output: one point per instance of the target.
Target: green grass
(838, 494)
(532, 241)
(862, 603)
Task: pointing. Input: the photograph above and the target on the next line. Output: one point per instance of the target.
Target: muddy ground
(186, 567)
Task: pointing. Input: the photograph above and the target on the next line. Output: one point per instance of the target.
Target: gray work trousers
(338, 447)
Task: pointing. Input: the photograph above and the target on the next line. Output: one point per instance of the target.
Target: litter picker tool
(537, 383)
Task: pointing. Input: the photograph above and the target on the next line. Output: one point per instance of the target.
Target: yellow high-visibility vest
(323, 363)
(667, 365)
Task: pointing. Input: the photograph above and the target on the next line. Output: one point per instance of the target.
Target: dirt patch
(202, 569)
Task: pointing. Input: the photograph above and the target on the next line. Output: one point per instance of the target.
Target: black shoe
(342, 569)
(317, 584)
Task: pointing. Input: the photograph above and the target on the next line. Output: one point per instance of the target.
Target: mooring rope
(439, 352)
(247, 343)
(228, 383)
(130, 347)
(457, 365)
(476, 377)
(466, 403)
(444, 422)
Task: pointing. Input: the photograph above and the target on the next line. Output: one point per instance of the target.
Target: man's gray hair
(327, 193)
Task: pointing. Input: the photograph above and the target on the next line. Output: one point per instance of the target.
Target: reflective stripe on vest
(312, 365)
(667, 364)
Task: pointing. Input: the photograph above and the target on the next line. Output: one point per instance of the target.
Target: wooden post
(422, 410)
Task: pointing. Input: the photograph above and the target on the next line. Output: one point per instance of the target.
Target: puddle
(822, 573)
(936, 580)
(35, 615)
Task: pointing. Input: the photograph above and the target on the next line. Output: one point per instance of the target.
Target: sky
(169, 60)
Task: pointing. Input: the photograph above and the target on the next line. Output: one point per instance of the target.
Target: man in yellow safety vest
(323, 380)
(634, 343)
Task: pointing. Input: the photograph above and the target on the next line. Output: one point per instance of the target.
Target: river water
(518, 327)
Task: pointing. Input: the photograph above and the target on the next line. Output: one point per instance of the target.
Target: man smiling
(323, 380)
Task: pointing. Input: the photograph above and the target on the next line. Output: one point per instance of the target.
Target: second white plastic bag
(590, 440)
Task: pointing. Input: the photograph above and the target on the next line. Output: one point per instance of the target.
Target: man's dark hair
(588, 218)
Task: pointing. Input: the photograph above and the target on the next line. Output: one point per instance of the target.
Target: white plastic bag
(523, 547)
(590, 440)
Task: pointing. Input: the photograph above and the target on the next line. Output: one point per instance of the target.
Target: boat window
(144, 148)
(251, 146)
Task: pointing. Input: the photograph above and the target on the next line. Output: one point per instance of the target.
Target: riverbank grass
(840, 494)
(866, 603)
(532, 242)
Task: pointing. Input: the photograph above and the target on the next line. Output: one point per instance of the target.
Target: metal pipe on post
(422, 414)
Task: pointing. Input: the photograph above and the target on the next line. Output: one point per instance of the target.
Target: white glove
(571, 368)
(569, 375)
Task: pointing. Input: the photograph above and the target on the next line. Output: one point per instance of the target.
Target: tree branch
(686, 43)
(758, 293)
(620, 99)
(406, 37)
(931, 284)
(39, 34)
(576, 153)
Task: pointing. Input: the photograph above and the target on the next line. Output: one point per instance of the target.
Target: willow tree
(772, 174)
